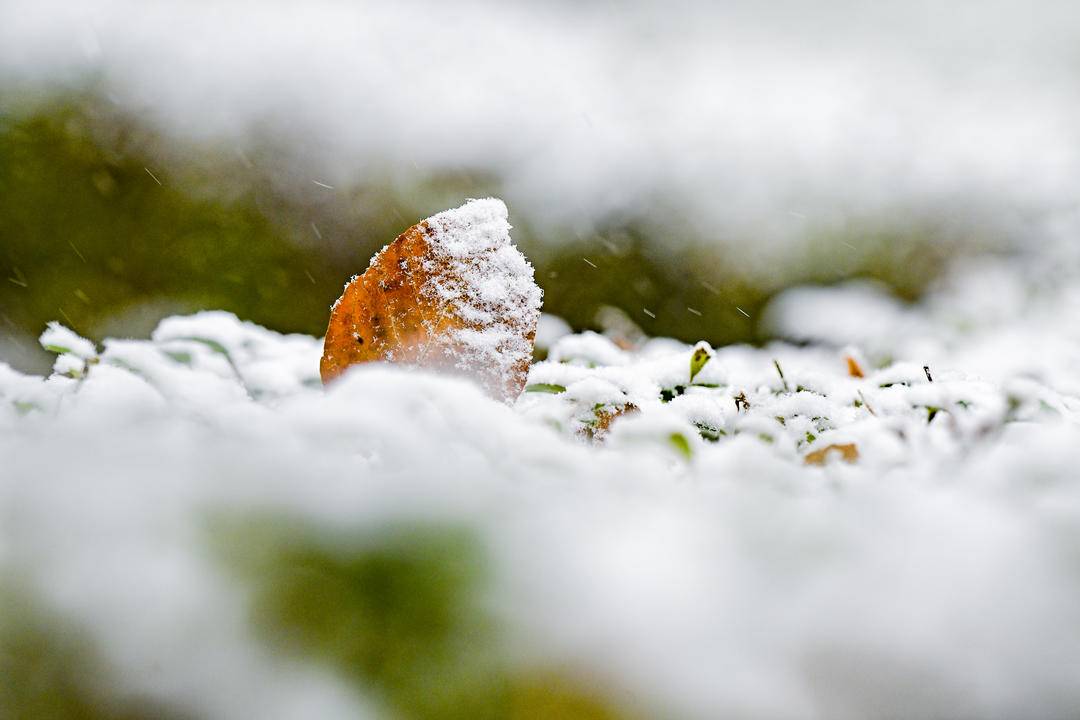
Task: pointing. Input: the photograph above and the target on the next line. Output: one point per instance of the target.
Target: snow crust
(716, 575)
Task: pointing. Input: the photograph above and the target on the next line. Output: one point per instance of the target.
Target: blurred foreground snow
(716, 575)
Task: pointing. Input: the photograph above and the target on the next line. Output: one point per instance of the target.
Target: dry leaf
(597, 432)
(847, 452)
(853, 368)
(450, 294)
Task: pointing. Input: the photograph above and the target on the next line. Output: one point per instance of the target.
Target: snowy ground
(659, 523)
(686, 562)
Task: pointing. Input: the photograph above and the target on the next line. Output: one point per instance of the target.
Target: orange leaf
(450, 294)
(853, 368)
(847, 452)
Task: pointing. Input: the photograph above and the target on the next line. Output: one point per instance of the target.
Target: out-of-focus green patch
(667, 292)
(402, 614)
(50, 671)
(88, 232)
(903, 254)
(681, 445)
(107, 226)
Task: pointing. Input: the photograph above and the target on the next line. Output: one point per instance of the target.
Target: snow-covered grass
(875, 516)
(646, 518)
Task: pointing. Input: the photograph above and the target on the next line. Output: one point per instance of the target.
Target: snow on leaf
(59, 339)
(450, 294)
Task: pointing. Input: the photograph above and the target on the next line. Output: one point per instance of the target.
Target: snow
(692, 560)
(549, 329)
(476, 270)
(60, 339)
(588, 348)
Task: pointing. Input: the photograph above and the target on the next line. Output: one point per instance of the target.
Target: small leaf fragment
(604, 415)
(681, 444)
(708, 432)
(669, 394)
(741, 401)
(552, 388)
(23, 407)
(701, 355)
(853, 368)
(847, 452)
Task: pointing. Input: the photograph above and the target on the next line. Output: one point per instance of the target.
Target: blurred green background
(107, 226)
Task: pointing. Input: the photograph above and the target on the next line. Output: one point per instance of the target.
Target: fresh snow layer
(691, 562)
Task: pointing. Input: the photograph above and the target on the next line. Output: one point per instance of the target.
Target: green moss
(88, 233)
(635, 271)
